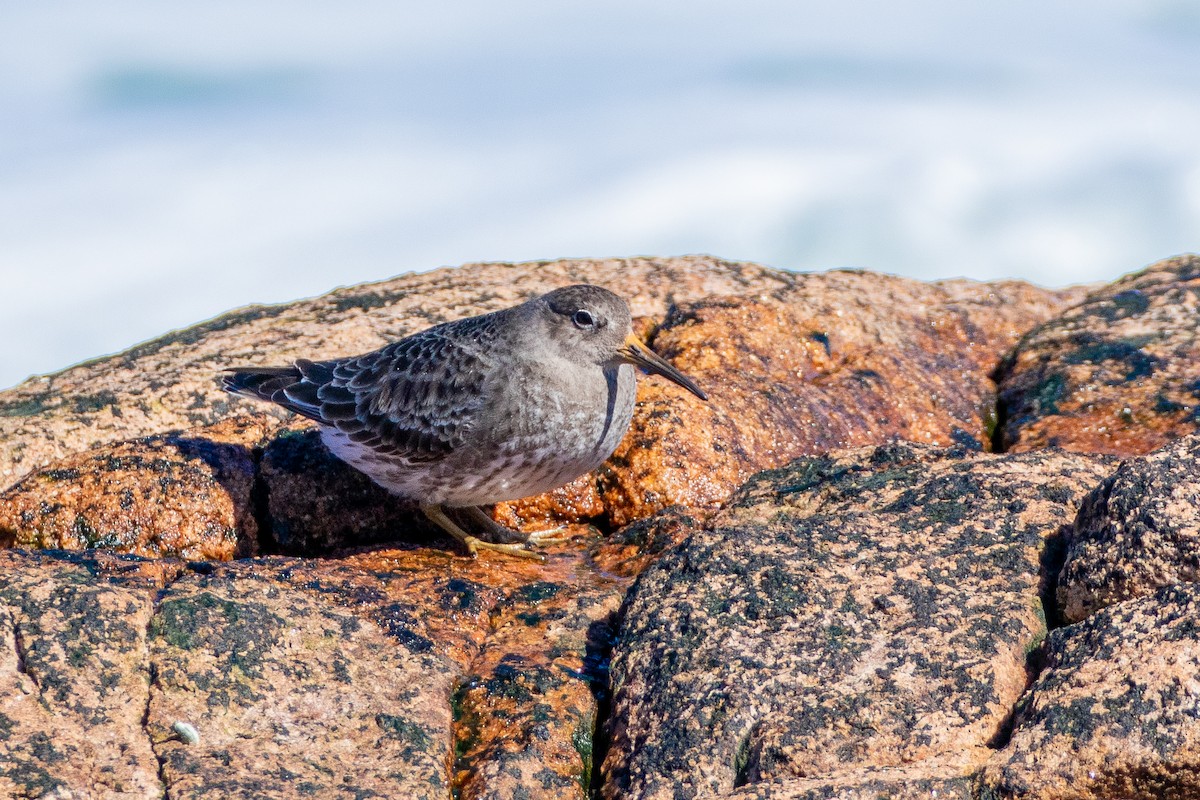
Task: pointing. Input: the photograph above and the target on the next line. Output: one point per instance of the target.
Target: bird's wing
(416, 398)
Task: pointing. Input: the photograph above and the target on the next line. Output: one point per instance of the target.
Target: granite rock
(291, 694)
(922, 781)
(854, 625)
(74, 679)
(869, 609)
(384, 672)
(795, 364)
(184, 495)
(1136, 533)
(832, 360)
(315, 502)
(1118, 373)
(1115, 713)
(526, 712)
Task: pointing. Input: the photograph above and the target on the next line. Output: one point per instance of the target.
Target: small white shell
(187, 732)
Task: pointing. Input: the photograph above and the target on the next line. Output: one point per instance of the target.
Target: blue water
(159, 165)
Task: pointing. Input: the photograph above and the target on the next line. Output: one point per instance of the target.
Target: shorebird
(480, 410)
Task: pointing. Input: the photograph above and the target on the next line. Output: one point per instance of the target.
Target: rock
(866, 610)
(1136, 533)
(924, 781)
(290, 693)
(317, 503)
(831, 360)
(1116, 374)
(529, 640)
(74, 680)
(577, 501)
(303, 677)
(1116, 712)
(878, 356)
(797, 364)
(186, 495)
(527, 712)
(631, 549)
(878, 648)
(170, 383)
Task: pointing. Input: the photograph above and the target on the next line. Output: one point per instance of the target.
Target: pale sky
(161, 164)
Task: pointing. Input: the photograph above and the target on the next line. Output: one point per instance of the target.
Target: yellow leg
(437, 515)
(499, 533)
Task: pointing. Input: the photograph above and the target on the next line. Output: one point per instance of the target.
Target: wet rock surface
(1116, 712)
(796, 364)
(874, 608)
(830, 360)
(187, 495)
(1116, 374)
(921, 782)
(393, 673)
(1136, 533)
(315, 502)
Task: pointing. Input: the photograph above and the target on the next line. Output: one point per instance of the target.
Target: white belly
(517, 457)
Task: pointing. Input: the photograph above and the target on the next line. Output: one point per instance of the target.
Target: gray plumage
(479, 410)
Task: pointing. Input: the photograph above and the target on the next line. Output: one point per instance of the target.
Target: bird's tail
(295, 388)
(263, 383)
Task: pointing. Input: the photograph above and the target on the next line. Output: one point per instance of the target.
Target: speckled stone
(1119, 373)
(922, 781)
(404, 672)
(860, 340)
(316, 503)
(74, 679)
(526, 713)
(530, 641)
(1116, 712)
(1136, 533)
(183, 495)
(292, 694)
(809, 363)
(868, 609)
(577, 501)
(629, 550)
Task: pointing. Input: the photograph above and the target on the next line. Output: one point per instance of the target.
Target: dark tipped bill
(638, 354)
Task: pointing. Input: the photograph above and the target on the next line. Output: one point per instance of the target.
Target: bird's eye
(583, 318)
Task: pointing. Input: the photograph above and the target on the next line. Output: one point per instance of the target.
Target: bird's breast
(539, 429)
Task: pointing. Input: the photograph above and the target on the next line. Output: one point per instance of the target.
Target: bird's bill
(639, 355)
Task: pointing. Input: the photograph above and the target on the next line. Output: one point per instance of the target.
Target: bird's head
(594, 323)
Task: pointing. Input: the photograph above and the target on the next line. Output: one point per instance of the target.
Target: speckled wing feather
(414, 399)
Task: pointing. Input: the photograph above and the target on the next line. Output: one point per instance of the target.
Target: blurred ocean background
(161, 163)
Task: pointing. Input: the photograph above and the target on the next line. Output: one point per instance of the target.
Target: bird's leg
(437, 515)
(498, 532)
(494, 530)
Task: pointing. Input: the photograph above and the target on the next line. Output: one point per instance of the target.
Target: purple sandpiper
(480, 410)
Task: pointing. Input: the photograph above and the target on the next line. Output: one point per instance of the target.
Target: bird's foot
(519, 550)
(513, 543)
(550, 536)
